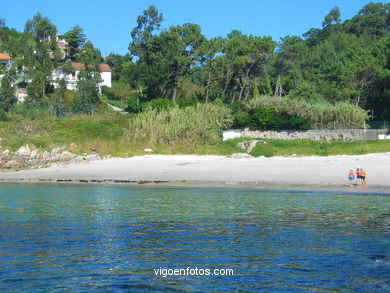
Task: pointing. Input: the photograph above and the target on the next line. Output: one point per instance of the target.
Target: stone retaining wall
(343, 134)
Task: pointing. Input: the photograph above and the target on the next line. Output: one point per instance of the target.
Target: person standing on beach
(351, 177)
(363, 176)
(358, 178)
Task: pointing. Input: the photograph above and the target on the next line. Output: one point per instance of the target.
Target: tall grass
(321, 114)
(201, 124)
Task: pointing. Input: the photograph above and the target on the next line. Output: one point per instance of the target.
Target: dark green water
(67, 238)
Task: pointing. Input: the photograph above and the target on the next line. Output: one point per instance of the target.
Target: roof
(5, 56)
(103, 67)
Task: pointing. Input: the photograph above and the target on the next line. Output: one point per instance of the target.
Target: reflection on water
(111, 238)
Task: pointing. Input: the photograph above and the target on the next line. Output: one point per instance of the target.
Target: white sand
(324, 171)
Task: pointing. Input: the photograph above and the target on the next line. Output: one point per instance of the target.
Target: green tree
(7, 90)
(76, 40)
(358, 73)
(148, 72)
(179, 45)
(207, 55)
(88, 92)
(41, 55)
(57, 105)
(333, 17)
(2, 30)
(116, 63)
(373, 19)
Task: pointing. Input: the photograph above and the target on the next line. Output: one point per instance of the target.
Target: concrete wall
(343, 134)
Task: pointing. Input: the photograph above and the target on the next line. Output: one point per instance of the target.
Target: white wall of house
(6, 62)
(106, 76)
(71, 78)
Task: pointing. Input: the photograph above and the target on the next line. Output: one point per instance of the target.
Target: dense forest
(342, 67)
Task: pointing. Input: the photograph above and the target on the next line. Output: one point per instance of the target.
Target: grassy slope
(319, 148)
(115, 103)
(105, 133)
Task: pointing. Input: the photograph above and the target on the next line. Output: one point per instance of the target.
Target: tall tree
(207, 55)
(2, 30)
(333, 17)
(147, 72)
(41, 55)
(116, 63)
(147, 23)
(373, 19)
(179, 45)
(7, 90)
(89, 78)
(76, 40)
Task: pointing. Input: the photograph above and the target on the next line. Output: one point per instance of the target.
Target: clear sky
(108, 23)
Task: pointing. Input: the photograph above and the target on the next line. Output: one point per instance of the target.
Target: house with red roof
(72, 77)
(5, 59)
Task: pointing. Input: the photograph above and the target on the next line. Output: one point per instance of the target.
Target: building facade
(72, 77)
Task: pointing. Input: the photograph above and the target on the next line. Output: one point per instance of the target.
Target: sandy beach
(319, 171)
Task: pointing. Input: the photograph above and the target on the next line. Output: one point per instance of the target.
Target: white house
(71, 78)
(62, 45)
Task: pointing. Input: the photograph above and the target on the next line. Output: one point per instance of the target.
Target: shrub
(29, 113)
(327, 115)
(267, 118)
(119, 91)
(58, 107)
(132, 105)
(183, 102)
(196, 125)
(158, 104)
(3, 115)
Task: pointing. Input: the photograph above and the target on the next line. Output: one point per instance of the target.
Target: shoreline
(319, 172)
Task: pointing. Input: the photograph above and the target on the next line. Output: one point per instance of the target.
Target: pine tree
(7, 90)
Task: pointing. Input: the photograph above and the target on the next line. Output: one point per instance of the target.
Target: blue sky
(108, 23)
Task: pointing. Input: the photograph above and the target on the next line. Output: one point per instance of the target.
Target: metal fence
(378, 124)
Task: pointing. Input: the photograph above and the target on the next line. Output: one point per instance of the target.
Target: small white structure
(62, 45)
(383, 136)
(231, 133)
(71, 78)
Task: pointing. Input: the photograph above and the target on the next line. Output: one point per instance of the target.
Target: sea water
(102, 238)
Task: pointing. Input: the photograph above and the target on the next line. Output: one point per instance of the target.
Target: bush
(267, 118)
(183, 102)
(3, 115)
(327, 115)
(158, 104)
(132, 105)
(119, 91)
(29, 113)
(58, 107)
(196, 125)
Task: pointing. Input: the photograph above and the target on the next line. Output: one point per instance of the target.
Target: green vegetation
(197, 125)
(342, 66)
(272, 148)
(115, 103)
(115, 134)
(321, 113)
(181, 89)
